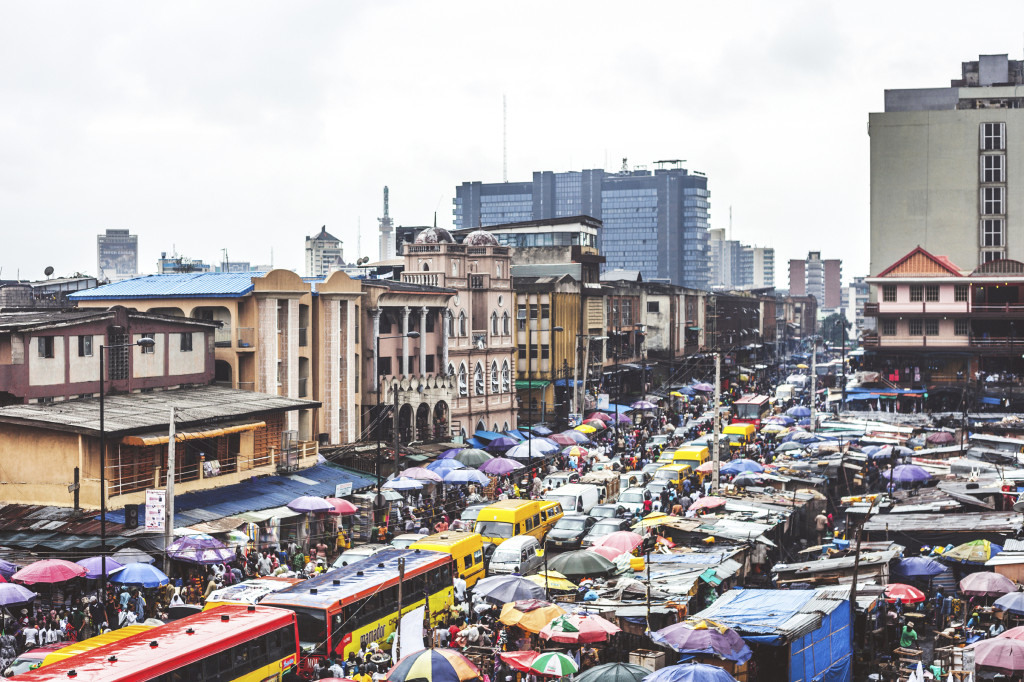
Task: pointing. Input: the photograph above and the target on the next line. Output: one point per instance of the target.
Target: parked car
(633, 500)
(350, 556)
(608, 511)
(405, 539)
(469, 514)
(602, 528)
(569, 530)
(519, 554)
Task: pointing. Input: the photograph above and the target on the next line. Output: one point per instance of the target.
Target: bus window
(544, 514)
(478, 556)
(518, 529)
(529, 525)
(536, 520)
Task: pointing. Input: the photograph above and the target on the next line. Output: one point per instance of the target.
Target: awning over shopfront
(146, 439)
(531, 384)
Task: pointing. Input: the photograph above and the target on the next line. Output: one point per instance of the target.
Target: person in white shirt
(31, 636)
(460, 588)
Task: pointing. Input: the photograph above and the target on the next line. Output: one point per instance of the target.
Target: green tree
(833, 329)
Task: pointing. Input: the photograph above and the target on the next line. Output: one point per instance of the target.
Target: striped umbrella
(574, 628)
(434, 665)
(551, 664)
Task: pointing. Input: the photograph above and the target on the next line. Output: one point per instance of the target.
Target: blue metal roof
(255, 495)
(180, 285)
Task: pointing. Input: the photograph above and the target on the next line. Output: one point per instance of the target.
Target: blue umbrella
(918, 567)
(145, 575)
(501, 444)
(7, 569)
(870, 449)
(403, 484)
(541, 431)
(11, 593)
(462, 476)
(448, 454)
(441, 465)
(799, 411)
(690, 672)
(1011, 603)
(739, 465)
(94, 566)
(781, 419)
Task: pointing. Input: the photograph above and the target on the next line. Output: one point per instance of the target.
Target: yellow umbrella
(555, 581)
(586, 428)
(652, 519)
(676, 394)
(531, 621)
(802, 366)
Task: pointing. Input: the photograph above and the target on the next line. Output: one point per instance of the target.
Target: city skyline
(208, 128)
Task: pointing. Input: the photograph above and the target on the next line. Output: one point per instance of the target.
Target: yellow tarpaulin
(161, 439)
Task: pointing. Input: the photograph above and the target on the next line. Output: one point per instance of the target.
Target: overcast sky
(248, 125)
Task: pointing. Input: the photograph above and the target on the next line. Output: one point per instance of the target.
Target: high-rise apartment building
(734, 265)
(945, 167)
(656, 223)
(117, 255)
(324, 254)
(818, 278)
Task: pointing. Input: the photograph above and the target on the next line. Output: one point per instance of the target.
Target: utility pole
(814, 381)
(716, 423)
(169, 494)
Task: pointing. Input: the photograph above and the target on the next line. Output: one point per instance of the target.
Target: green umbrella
(554, 664)
(614, 672)
(471, 457)
(581, 564)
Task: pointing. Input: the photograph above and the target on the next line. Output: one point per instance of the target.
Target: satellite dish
(48, 271)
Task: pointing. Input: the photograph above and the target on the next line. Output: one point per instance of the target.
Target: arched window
(495, 426)
(450, 321)
(462, 323)
(505, 331)
(455, 268)
(426, 267)
(451, 369)
(478, 379)
(505, 427)
(463, 381)
(494, 376)
(506, 378)
(494, 324)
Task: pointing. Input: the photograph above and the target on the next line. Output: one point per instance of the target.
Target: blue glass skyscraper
(656, 223)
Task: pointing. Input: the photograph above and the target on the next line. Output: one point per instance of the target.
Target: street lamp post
(144, 342)
(378, 502)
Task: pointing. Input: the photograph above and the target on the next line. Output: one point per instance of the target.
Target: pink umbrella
(609, 553)
(987, 584)
(421, 474)
(707, 503)
(622, 540)
(706, 467)
(49, 571)
(342, 507)
(1013, 633)
(602, 416)
(562, 439)
(574, 628)
(1000, 653)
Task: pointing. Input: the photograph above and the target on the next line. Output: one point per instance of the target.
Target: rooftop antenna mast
(504, 139)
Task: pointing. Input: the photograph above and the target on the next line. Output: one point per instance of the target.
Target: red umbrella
(987, 584)
(520, 660)
(609, 553)
(908, 594)
(562, 439)
(622, 540)
(1000, 653)
(49, 571)
(602, 416)
(707, 503)
(342, 506)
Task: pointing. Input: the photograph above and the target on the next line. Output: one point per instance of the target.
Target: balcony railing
(1002, 309)
(246, 337)
(222, 338)
(476, 281)
(432, 279)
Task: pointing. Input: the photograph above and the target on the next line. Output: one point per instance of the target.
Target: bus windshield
(312, 628)
(748, 410)
(494, 529)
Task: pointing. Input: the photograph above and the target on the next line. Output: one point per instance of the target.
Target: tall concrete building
(943, 163)
(734, 265)
(117, 255)
(819, 278)
(324, 254)
(654, 222)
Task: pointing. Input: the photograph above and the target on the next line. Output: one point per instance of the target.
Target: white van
(519, 554)
(784, 392)
(575, 497)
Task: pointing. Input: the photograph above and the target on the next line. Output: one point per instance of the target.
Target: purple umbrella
(7, 569)
(94, 566)
(907, 473)
(449, 454)
(501, 444)
(623, 419)
(15, 594)
(308, 503)
(201, 549)
(499, 466)
(799, 411)
(643, 405)
(706, 388)
(463, 476)
(704, 637)
(443, 465)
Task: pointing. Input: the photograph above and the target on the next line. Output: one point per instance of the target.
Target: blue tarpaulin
(814, 624)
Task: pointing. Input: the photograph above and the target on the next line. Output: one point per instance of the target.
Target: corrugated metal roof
(180, 285)
(997, 522)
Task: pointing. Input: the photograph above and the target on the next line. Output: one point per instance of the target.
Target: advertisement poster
(155, 509)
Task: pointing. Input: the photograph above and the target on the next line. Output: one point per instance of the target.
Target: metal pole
(547, 591)
(529, 380)
(648, 588)
(394, 388)
(169, 504)
(842, 405)
(814, 382)
(377, 423)
(716, 424)
(577, 351)
(398, 628)
(103, 491)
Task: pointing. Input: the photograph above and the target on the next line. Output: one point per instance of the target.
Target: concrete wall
(37, 466)
(185, 362)
(149, 364)
(46, 371)
(86, 368)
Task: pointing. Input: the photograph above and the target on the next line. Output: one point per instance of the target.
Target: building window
(545, 311)
(146, 350)
(916, 293)
(497, 270)
(506, 378)
(533, 311)
(430, 321)
(993, 168)
(478, 379)
(993, 136)
(545, 352)
(384, 366)
(451, 322)
(505, 331)
(451, 369)
(992, 231)
(356, 377)
(463, 381)
(653, 307)
(430, 365)
(888, 327)
(960, 293)
(84, 346)
(385, 323)
(355, 322)
(522, 351)
(888, 293)
(931, 293)
(494, 376)
(961, 327)
(931, 327)
(462, 323)
(992, 200)
(45, 345)
(915, 327)
(494, 324)
(627, 311)
(521, 316)
(186, 342)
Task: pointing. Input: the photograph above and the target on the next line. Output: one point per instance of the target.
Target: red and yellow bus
(227, 644)
(751, 409)
(345, 609)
